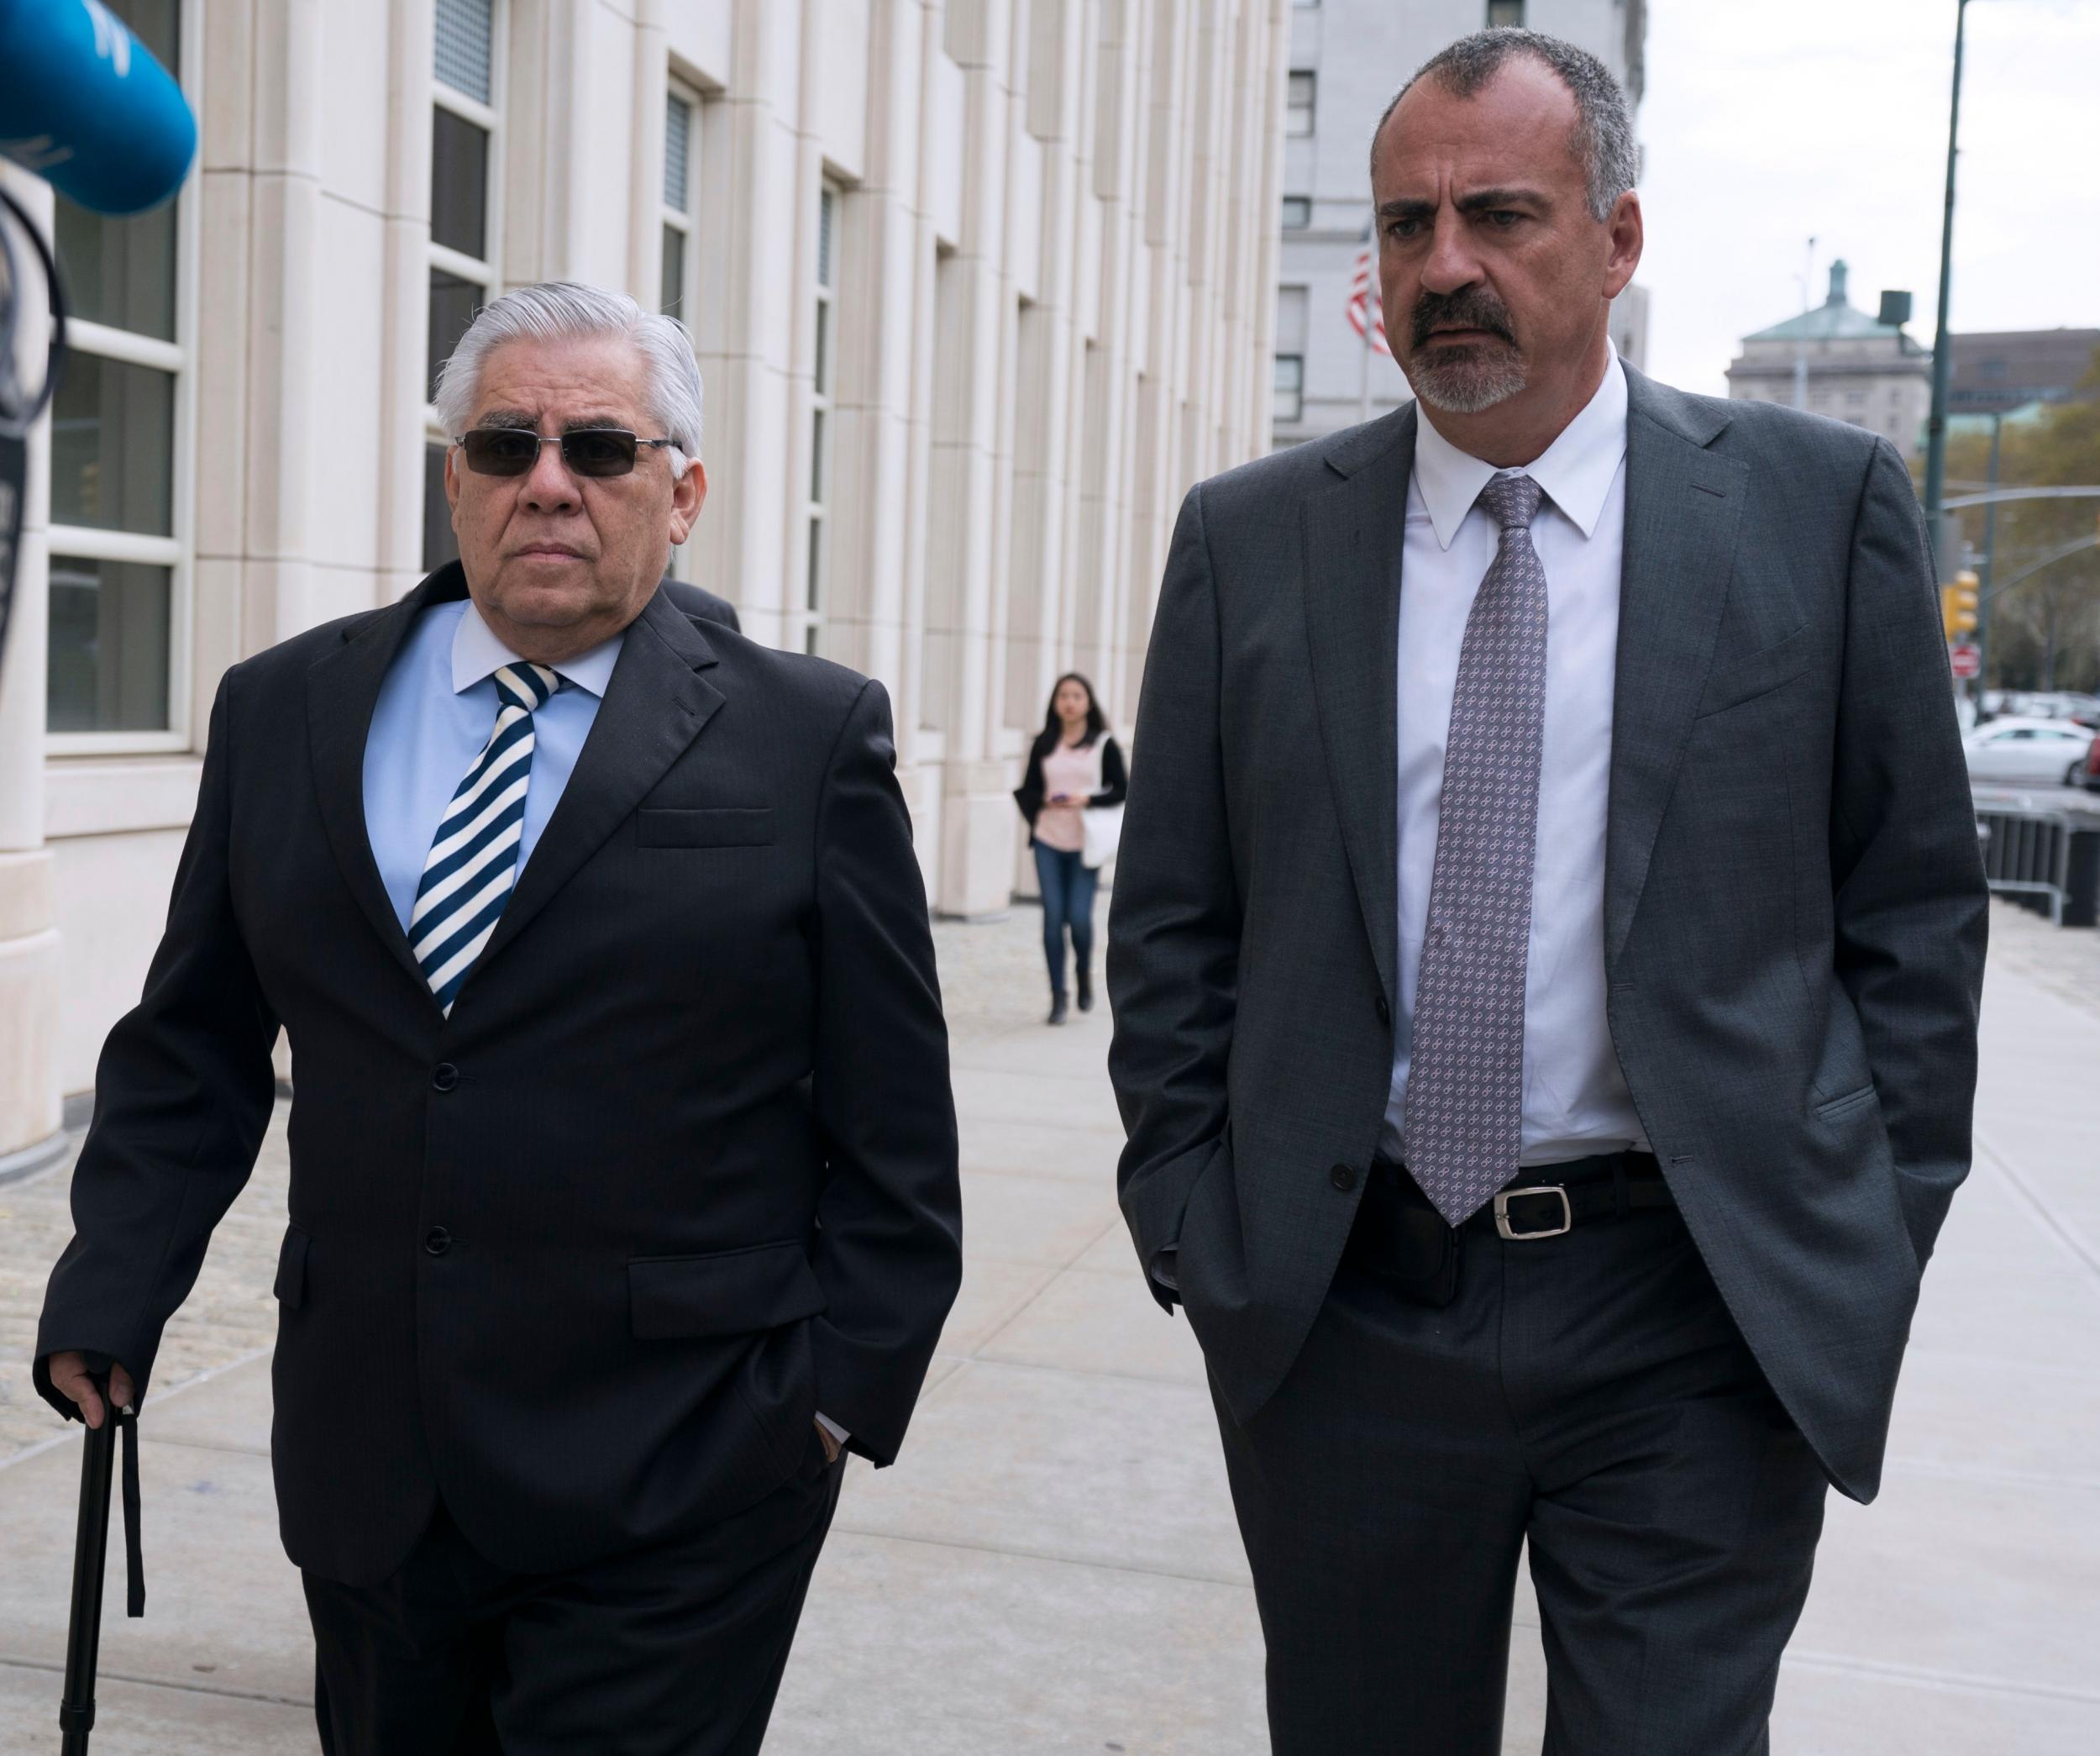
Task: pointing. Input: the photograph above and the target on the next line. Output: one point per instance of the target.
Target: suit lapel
(1353, 536)
(653, 708)
(342, 690)
(1684, 505)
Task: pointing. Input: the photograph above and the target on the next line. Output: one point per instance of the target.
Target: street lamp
(1942, 347)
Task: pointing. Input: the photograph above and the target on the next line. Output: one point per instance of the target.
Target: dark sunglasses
(587, 451)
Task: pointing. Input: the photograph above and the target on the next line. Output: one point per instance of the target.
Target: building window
(1291, 319)
(120, 554)
(465, 144)
(1297, 213)
(1508, 13)
(1291, 386)
(681, 110)
(823, 371)
(1298, 105)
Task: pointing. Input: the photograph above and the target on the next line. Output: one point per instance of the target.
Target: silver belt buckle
(1502, 1213)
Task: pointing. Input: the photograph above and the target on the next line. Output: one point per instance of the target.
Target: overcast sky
(1766, 123)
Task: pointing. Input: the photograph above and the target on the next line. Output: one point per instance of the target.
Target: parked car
(2041, 704)
(2088, 773)
(2026, 752)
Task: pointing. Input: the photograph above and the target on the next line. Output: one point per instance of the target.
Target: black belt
(1398, 1235)
(1549, 1200)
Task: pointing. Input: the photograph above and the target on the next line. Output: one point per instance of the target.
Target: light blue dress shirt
(436, 709)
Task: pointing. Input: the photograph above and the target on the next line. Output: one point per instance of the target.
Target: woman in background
(1073, 799)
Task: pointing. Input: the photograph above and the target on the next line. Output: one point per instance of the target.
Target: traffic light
(1957, 606)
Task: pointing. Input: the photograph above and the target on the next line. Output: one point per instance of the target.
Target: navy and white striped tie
(472, 860)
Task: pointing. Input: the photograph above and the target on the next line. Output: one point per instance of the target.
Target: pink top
(1069, 768)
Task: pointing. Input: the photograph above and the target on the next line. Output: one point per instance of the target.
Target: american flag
(1363, 309)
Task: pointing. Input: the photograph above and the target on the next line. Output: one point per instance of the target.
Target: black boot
(1057, 1006)
(1086, 991)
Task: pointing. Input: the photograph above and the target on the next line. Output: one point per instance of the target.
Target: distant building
(1348, 57)
(1996, 372)
(1838, 361)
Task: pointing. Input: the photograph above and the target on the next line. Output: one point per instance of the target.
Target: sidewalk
(1052, 1567)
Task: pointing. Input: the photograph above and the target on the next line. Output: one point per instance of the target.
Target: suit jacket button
(1343, 1177)
(446, 1076)
(436, 1240)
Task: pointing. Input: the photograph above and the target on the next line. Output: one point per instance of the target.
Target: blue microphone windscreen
(84, 104)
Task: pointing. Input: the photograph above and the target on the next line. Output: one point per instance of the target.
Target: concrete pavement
(1052, 1567)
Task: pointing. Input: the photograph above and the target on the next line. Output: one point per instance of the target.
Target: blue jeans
(1069, 884)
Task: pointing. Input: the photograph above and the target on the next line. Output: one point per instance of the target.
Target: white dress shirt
(1575, 1097)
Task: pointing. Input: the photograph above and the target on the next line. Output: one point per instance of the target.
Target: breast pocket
(716, 827)
(1760, 675)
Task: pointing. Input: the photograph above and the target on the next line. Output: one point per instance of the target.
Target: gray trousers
(1587, 1395)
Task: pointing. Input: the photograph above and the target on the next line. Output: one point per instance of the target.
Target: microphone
(84, 104)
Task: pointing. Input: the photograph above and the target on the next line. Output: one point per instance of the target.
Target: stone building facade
(1838, 361)
(1348, 57)
(977, 288)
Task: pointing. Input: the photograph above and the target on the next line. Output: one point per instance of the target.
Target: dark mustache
(1474, 308)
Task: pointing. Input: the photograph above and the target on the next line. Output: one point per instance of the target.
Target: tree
(2044, 632)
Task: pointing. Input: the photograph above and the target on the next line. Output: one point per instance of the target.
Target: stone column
(30, 1112)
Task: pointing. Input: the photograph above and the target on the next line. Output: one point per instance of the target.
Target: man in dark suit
(1544, 957)
(623, 1160)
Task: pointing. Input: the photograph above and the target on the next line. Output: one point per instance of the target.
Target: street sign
(1965, 660)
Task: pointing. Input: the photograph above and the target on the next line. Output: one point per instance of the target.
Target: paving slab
(1974, 1580)
(1016, 1216)
(1826, 1710)
(914, 1647)
(1112, 1472)
(219, 1592)
(144, 1719)
(235, 1416)
(1084, 1322)
(1088, 1155)
(993, 1293)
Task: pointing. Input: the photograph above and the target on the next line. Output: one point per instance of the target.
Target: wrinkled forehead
(1517, 130)
(569, 382)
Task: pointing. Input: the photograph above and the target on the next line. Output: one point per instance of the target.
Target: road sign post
(1965, 660)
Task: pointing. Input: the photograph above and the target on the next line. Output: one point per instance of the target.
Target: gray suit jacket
(1794, 911)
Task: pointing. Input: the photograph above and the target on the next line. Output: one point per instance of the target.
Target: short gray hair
(563, 310)
(1603, 140)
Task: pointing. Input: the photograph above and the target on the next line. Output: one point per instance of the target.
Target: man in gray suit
(1545, 955)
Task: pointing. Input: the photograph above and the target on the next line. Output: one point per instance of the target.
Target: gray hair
(1603, 140)
(562, 310)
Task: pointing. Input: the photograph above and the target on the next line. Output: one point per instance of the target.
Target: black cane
(91, 1551)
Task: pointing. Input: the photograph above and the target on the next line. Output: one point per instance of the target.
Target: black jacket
(699, 602)
(1115, 778)
(679, 1169)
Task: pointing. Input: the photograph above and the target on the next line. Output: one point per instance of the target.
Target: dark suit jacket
(678, 1170)
(701, 604)
(1794, 909)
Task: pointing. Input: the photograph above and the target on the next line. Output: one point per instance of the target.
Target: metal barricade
(2042, 846)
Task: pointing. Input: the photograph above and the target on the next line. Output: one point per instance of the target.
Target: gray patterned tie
(1465, 1083)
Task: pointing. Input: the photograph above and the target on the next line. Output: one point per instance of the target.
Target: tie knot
(528, 686)
(1512, 501)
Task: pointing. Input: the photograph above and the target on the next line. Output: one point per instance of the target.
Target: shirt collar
(1575, 472)
(477, 654)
